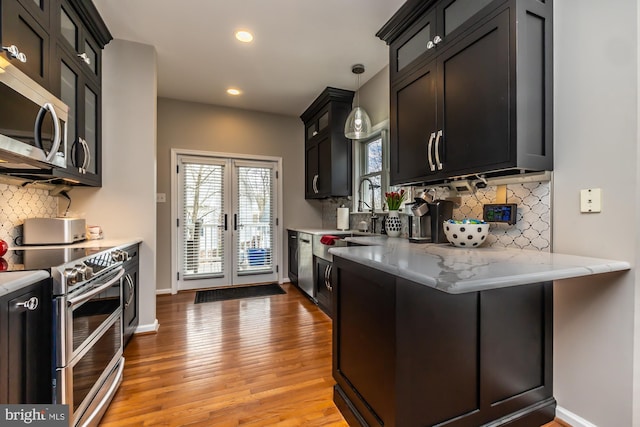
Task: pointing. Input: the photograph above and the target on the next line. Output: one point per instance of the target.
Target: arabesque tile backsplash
(18, 203)
(531, 231)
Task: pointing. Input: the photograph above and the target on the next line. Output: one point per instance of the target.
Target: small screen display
(500, 213)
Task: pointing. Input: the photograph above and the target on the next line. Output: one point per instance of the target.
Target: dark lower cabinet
(25, 345)
(409, 355)
(292, 239)
(323, 284)
(130, 298)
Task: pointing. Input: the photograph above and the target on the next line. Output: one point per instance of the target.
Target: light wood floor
(250, 362)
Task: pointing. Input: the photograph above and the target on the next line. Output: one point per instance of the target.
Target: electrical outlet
(161, 197)
(591, 200)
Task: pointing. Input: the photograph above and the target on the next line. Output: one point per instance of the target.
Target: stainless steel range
(87, 324)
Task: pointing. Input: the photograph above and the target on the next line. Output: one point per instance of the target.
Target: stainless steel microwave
(33, 123)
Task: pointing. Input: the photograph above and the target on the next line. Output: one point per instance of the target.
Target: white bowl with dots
(467, 234)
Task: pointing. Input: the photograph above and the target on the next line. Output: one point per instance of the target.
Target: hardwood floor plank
(251, 362)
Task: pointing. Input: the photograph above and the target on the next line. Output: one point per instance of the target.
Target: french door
(226, 222)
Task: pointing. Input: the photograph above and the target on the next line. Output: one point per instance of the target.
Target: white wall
(374, 96)
(125, 205)
(596, 140)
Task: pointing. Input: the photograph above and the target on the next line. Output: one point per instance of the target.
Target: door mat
(211, 295)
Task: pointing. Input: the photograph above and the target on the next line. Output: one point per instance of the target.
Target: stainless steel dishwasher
(305, 264)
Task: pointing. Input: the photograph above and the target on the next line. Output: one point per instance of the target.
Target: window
(372, 171)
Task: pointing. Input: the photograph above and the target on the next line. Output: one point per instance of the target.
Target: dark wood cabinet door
(25, 345)
(323, 284)
(293, 256)
(311, 168)
(413, 125)
(130, 303)
(325, 167)
(21, 29)
(83, 127)
(477, 107)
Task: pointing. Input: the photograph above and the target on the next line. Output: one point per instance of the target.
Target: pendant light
(358, 124)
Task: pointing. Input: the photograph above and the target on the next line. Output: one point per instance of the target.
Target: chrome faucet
(371, 207)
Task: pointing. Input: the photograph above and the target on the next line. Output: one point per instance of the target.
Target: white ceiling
(300, 47)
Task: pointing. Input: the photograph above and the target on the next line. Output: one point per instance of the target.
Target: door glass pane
(458, 12)
(68, 93)
(90, 127)
(68, 29)
(255, 219)
(204, 220)
(414, 47)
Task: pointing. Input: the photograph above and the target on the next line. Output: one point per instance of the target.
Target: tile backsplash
(18, 203)
(531, 231)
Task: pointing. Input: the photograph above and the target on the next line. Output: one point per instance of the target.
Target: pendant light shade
(358, 124)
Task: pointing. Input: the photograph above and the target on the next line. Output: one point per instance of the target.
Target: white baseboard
(163, 291)
(285, 280)
(141, 329)
(572, 419)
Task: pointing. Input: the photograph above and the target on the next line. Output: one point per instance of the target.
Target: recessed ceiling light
(244, 36)
(232, 91)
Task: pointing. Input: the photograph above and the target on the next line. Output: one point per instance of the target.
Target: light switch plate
(591, 200)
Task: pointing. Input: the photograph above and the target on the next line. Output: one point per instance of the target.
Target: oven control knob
(119, 255)
(70, 276)
(84, 272)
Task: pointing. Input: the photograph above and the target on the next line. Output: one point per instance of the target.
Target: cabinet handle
(315, 183)
(30, 304)
(327, 278)
(437, 150)
(430, 45)
(131, 290)
(14, 52)
(85, 58)
(85, 157)
(432, 166)
(437, 40)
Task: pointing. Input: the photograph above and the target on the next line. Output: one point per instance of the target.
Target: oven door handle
(86, 296)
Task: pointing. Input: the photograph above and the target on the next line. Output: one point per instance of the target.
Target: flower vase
(393, 226)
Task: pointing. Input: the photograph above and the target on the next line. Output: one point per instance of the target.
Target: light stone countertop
(15, 280)
(458, 270)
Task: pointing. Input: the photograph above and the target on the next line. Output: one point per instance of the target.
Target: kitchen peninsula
(439, 335)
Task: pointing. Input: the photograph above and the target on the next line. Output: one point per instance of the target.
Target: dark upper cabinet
(477, 102)
(327, 150)
(69, 36)
(25, 25)
(25, 344)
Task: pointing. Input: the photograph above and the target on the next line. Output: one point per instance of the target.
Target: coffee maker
(426, 220)
(419, 222)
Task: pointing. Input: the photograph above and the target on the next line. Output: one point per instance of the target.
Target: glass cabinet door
(457, 12)
(90, 129)
(69, 95)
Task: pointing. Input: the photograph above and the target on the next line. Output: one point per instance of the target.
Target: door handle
(432, 166)
(225, 222)
(235, 222)
(37, 130)
(437, 150)
(315, 183)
